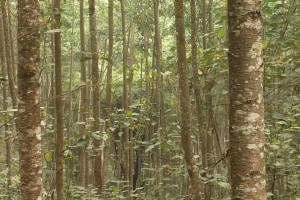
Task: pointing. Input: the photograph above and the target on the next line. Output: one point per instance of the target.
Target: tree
(197, 87)
(84, 170)
(59, 150)
(96, 95)
(185, 108)
(4, 108)
(28, 121)
(246, 123)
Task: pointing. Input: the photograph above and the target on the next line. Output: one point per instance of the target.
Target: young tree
(8, 43)
(96, 97)
(4, 108)
(28, 121)
(58, 102)
(108, 95)
(185, 107)
(246, 123)
(197, 87)
(84, 170)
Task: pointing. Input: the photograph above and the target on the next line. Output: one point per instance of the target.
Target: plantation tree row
(150, 99)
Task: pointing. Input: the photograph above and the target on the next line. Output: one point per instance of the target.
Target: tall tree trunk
(58, 102)
(28, 121)
(8, 53)
(210, 23)
(12, 47)
(125, 100)
(246, 123)
(204, 45)
(4, 108)
(159, 94)
(197, 88)
(96, 98)
(185, 107)
(108, 97)
(84, 171)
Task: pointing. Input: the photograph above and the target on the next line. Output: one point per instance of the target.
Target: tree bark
(7, 136)
(96, 98)
(83, 102)
(58, 102)
(8, 54)
(246, 123)
(28, 121)
(197, 88)
(125, 101)
(185, 107)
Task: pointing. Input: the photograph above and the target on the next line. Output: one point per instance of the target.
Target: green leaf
(149, 148)
(224, 185)
(48, 156)
(81, 142)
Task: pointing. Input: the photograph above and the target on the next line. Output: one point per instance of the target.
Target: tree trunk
(58, 103)
(96, 99)
(4, 108)
(84, 171)
(28, 121)
(185, 107)
(159, 95)
(8, 53)
(197, 88)
(204, 45)
(246, 123)
(125, 101)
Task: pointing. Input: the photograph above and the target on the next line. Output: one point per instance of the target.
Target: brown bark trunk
(58, 103)
(4, 108)
(185, 101)
(246, 122)
(204, 45)
(197, 88)
(96, 99)
(28, 121)
(84, 171)
(8, 53)
(125, 100)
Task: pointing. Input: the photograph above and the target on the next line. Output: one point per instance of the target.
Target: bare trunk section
(4, 108)
(203, 2)
(58, 102)
(159, 94)
(246, 122)
(8, 54)
(125, 101)
(84, 171)
(28, 121)
(196, 81)
(108, 95)
(185, 107)
(96, 99)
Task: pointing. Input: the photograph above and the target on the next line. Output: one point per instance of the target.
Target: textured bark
(185, 108)
(58, 102)
(83, 102)
(108, 95)
(159, 94)
(246, 123)
(4, 108)
(28, 122)
(197, 88)
(12, 43)
(8, 54)
(125, 99)
(110, 53)
(210, 23)
(96, 98)
(203, 9)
